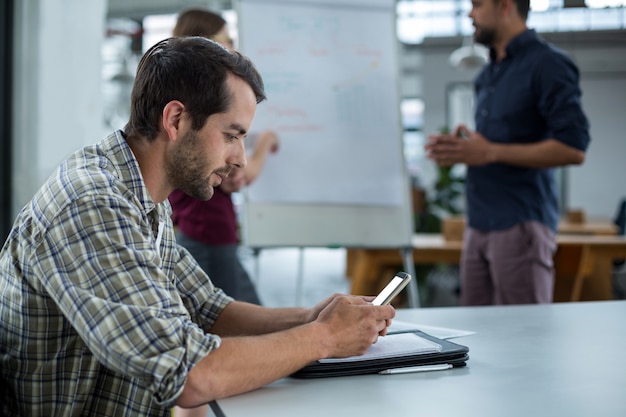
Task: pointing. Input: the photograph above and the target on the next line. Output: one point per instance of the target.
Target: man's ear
(508, 6)
(172, 117)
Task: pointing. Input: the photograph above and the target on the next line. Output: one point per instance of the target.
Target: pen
(420, 368)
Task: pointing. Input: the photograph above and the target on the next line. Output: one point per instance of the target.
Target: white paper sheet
(391, 346)
(398, 326)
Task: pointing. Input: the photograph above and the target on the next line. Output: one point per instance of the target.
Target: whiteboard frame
(333, 225)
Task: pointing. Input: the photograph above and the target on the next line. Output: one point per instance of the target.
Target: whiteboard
(331, 77)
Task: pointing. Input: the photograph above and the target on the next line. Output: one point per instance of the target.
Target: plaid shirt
(100, 314)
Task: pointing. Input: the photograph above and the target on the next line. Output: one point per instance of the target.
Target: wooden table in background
(583, 263)
(596, 227)
(584, 266)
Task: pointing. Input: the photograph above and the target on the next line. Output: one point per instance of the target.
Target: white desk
(541, 360)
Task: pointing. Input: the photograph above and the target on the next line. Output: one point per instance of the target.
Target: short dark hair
(523, 6)
(198, 22)
(192, 70)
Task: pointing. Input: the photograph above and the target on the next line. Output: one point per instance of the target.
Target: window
(412, 116)
(418, 19)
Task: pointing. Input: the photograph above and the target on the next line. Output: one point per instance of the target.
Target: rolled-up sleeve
(560, 100)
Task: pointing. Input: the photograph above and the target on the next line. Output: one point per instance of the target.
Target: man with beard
(529, 120)
(101, 312)
(209, 229)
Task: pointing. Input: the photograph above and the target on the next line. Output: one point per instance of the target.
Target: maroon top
(211, 222)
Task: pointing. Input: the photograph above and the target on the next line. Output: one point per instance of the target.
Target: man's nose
(238, 157)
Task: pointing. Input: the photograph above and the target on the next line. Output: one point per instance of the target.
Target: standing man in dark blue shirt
(529, 119)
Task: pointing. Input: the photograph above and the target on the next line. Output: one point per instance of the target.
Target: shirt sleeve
(203, 300)
(559, 101)
(98, 261)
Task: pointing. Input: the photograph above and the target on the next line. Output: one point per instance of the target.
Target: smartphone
(397, 284)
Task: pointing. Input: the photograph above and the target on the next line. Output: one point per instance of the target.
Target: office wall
(596, 186)
(57, 91)
(6, 110)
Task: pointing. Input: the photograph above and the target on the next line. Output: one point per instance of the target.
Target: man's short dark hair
(192, 70)
(523, 6)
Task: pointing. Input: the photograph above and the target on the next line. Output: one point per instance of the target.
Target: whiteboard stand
(256, 251)
(300, 279)
(412, 288)
(257, 266)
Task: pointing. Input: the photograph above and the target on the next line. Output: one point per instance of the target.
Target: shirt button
(484, 113)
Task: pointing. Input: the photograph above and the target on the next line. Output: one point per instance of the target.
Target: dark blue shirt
(531, 95)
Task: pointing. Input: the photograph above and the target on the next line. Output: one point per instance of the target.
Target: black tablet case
(450, 353)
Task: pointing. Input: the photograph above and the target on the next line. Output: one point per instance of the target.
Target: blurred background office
(67, 69)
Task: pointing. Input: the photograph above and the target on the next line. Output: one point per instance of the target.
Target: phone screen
(392, 289)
